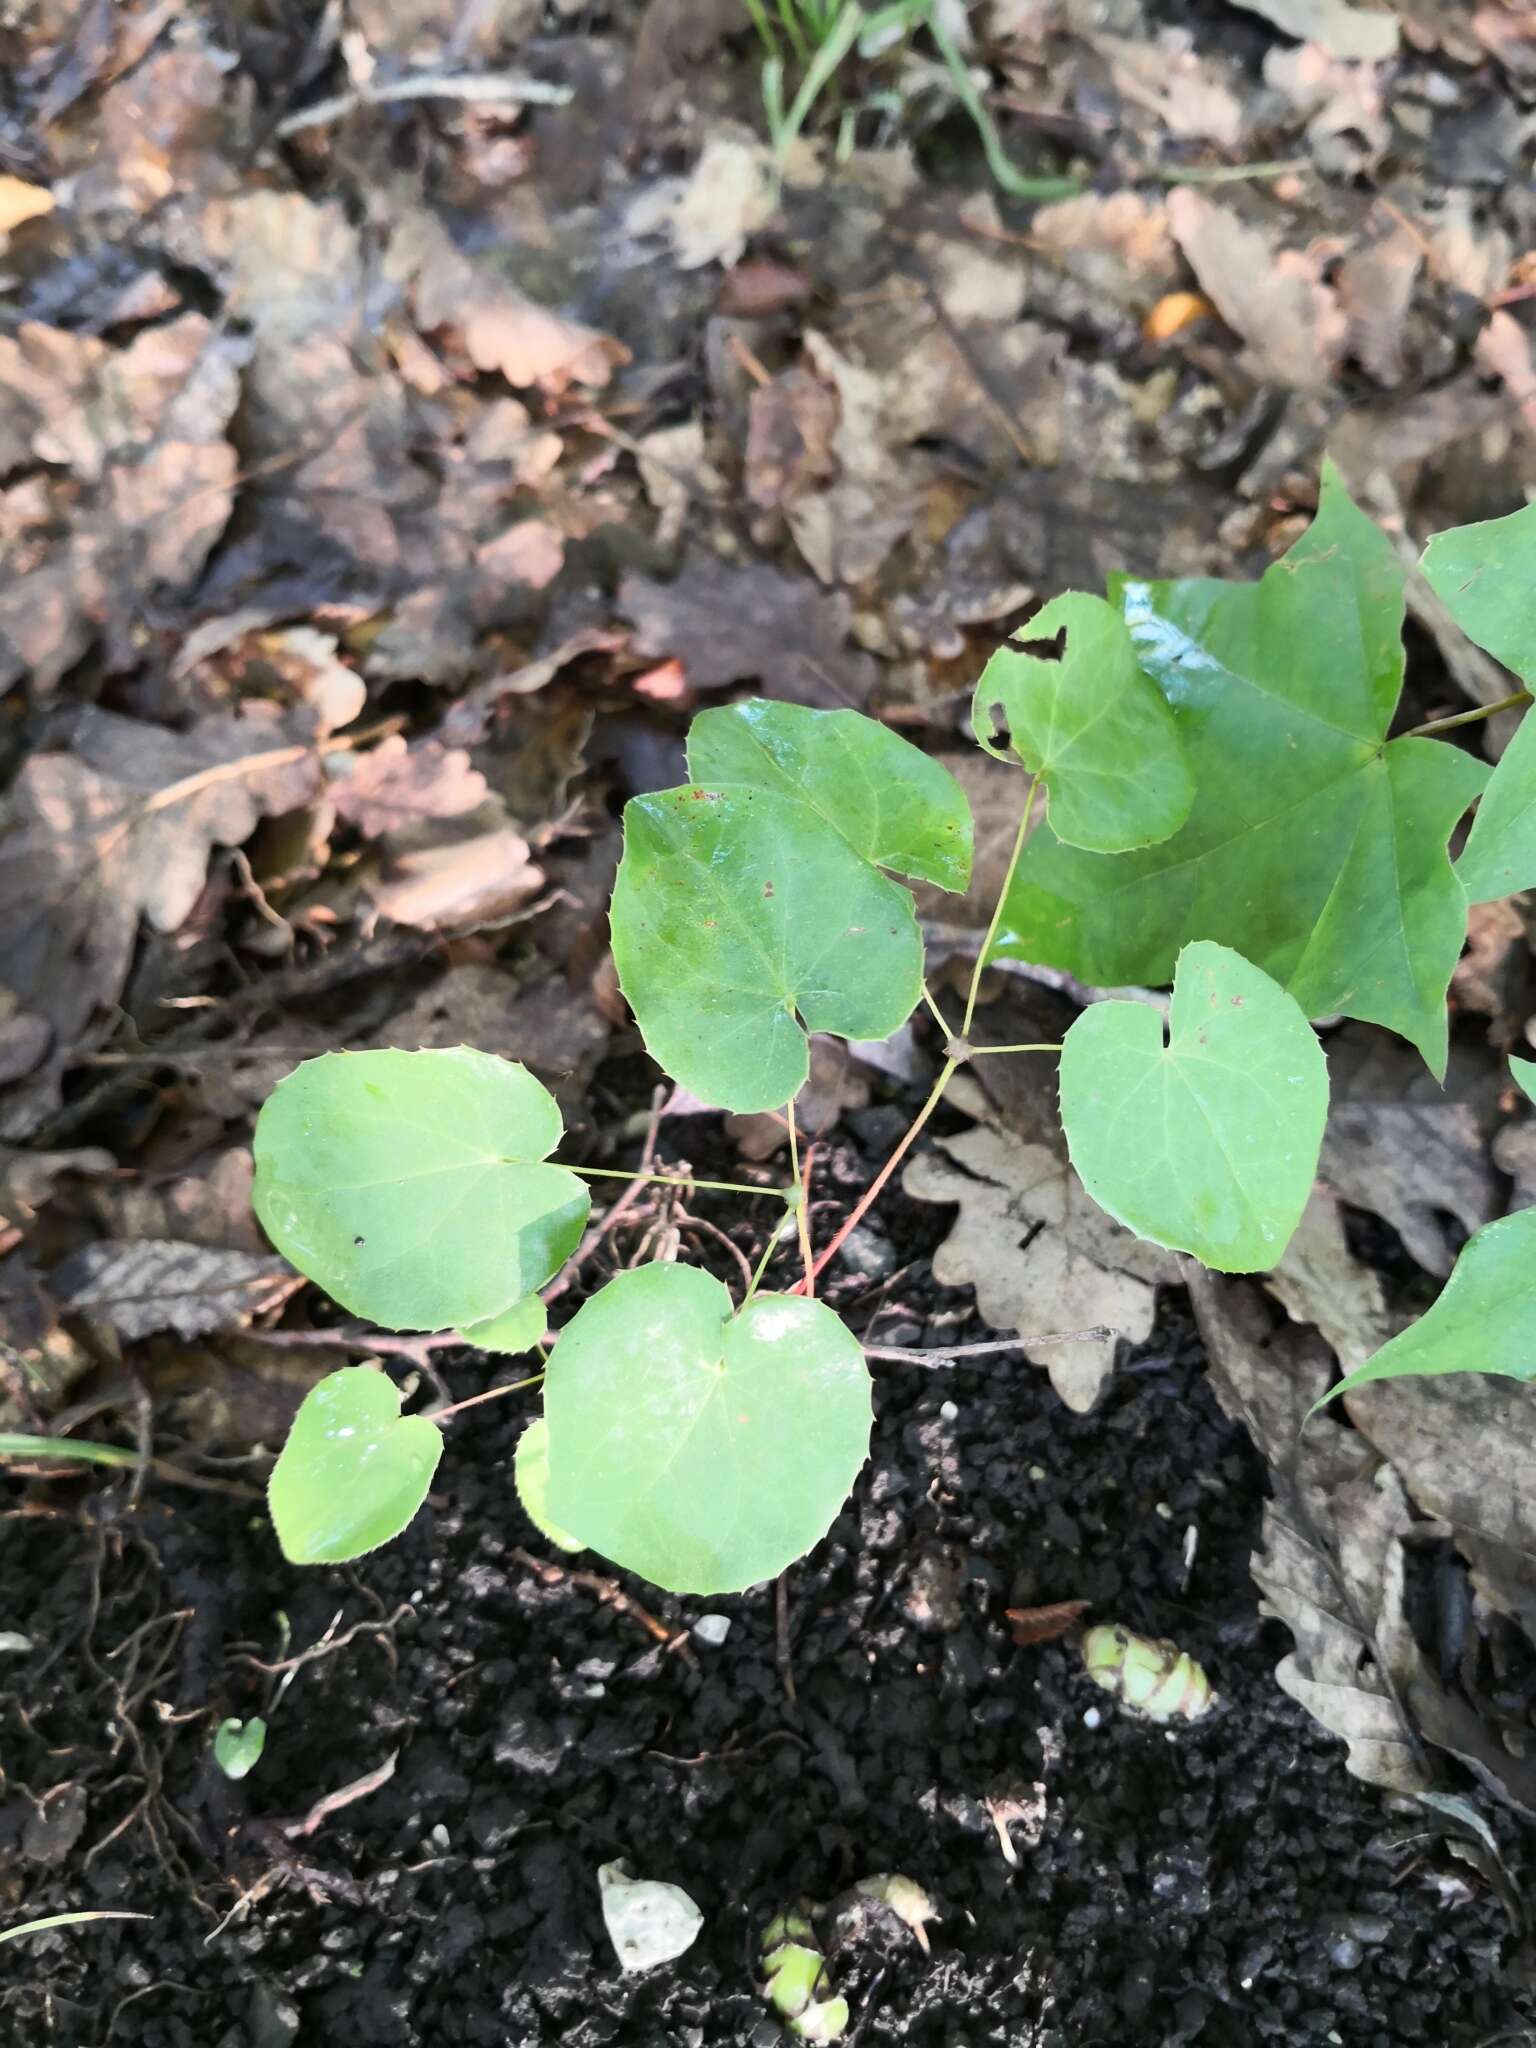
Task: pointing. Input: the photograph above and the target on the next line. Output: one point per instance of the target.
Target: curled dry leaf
(1040, 1253)
(1291, 321)
(1375, 286)
(1320, 1281)
(1359, 35)
(482, 880)
(398, 784)
(145, 1284)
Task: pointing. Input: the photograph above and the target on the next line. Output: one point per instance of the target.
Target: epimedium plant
(1209, 798)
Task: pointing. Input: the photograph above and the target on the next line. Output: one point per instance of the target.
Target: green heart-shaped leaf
(1524, 1072)
(530, 1474)
(1484, 575)
(412, 1186)
(1315, 847)
(516, 1329)
(1207, 1144)
(702, 1448)
(353, 1472)
(750, 908)
(1484, 1320)
(1097, 732)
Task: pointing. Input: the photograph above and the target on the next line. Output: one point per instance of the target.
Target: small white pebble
(1164, 1511)
(1092, 1717)
(440, 1837)
(711, 1630)
(1037, 1472)
(949, 1412)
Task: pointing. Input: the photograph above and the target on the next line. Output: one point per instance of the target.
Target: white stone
(711, 1630)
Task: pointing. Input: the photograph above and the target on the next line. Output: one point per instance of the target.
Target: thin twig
(429, 85)
(490, 1394)
(871, 1194)
(802, 1217)
(1026, 825)
(621, 1208)
(1097, 1333)
(781, 1638)
(612, 1594)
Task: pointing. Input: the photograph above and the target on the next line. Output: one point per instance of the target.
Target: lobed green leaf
(412, 1186)
(1314, 846)
(1209, 1143)
(703, 1448)
(353, 1472)
(1097, 732)
(530, 1475)
(516, 1329)
(750, 912)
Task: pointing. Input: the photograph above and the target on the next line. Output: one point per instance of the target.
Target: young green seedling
(1208, 796)
(237, 1746)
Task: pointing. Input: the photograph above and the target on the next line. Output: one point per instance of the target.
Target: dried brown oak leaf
(1293, 324)
(736, 625)
(122, 826)
(398, 784)
(482, 880)
(1040, 1253)
(497, 326)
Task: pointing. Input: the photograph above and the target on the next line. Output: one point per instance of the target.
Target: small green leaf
(412, 1186)
(702, 1448)
(749, 912)
(1283, 691)
(530, 1473)
(1096, 730)
(353, 1472)
(1524, 1072)
(1484, 576)
(1484, 1320)
(238, 1745)
(895, 805)
(1207, 1144)
(516, 1329)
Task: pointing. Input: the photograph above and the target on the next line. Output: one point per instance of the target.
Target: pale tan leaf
(146, 1284)
(20, 202)
(398, 784)
(473, 881)
(1291, 321)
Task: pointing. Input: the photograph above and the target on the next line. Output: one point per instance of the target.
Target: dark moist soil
(1225, 1883)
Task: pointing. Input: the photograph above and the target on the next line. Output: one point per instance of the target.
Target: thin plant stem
(871, 1194)
(978, 1049)
(935, 1012)
(802, 1213)
(80, 1451)
(491, 1394)
(1026, 825)
(1510, 703)
(819, 73)
(674, 1180)
(1097, 1333)
(774, 1237)
(1228, 174)
(791, 26)
(763, 26)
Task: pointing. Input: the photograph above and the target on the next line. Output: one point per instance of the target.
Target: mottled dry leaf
(1397, 1144)
(1343, 105)
(783, 633)
(1187, 92)
(398, 784)
(1320, 1281)
(790, 426)
(1292, 323)
(473, 881)
(1117, 242)
(547, 1024)
(1505, 348)
(124, 825)
(145, 1284)
(1041, 1255)
(208, 1204)
(730, 194)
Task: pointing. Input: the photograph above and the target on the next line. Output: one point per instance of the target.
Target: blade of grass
(76, 1448)
(991, 144)
(67, 1920)
(818, 75)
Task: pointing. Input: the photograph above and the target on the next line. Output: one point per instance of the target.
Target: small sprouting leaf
(238, 1745)
(1484, 575)
(1293, 852)
(1097, 732)
(896, 806)
(750, 907)
(353, 1472)
(703, 1448)
(648, 1922)
(516, 1329)
(412, 1186)
(1207, 1144)
(1484, 1319)
(530, 1473)
(1524, 1072)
